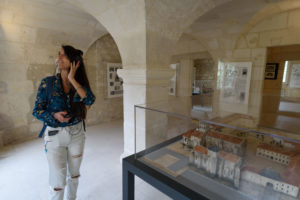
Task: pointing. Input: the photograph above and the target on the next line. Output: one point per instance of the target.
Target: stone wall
(250, 44)
(278, 30)
(270, 113)
(204, 69)
(103, 51)
(182, 101)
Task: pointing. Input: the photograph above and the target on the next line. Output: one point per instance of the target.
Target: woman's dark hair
(77, 108)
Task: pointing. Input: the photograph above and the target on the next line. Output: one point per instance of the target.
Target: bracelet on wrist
(78, 88)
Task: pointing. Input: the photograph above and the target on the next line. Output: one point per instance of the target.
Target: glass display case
(206, 156)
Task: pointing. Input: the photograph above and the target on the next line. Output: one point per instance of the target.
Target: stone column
(145, 32)
(185, 86)
(148, 88)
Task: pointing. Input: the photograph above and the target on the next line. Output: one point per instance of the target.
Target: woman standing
(61, 104)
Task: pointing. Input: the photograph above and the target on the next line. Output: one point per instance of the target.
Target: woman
(61, 104)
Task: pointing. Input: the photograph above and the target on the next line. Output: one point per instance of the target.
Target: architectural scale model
(224, 156)
(216, 153)
(205, 159)
(287, 182)
(227, 143)
(222, 141)
(192, 138)
(274, 153)
(229, 167)
(270, 178)
(217, 163)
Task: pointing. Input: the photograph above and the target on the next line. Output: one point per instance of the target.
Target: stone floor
(24, 170)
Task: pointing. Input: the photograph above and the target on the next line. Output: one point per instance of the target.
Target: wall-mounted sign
(234, 84)
(295, 76)
(114, 82)
(271, 71)
(172, 88)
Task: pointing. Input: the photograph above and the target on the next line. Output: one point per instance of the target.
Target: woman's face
(63, 61)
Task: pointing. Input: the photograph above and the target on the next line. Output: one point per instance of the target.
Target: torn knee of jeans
(77, 156)
(76, 176)
(57, 189)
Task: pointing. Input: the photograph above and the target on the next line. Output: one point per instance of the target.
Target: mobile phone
(51, 133)
(67, 115)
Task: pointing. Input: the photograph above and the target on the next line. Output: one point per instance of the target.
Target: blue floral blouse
(60, 101)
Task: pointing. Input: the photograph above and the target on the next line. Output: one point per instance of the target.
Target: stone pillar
(146, 33)
(185, 86)
(181, 103)
(143, 87)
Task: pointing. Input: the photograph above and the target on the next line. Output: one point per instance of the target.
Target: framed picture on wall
(234, 83)
(172, 87)
(114, 82)
(271, 71)
(295, 76)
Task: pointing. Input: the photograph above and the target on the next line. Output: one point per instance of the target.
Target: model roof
(213, 148)
(275, 149)
(224, 137)
(201, 149)
(194, 133)
(188, 134)
(229, 156)
(197, 134)
(270, 173)
(290, 176)
(292, 173)
(251, 169)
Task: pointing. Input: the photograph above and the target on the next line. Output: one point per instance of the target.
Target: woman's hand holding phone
(60, 116)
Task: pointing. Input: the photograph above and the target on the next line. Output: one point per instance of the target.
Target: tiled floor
(24, 170)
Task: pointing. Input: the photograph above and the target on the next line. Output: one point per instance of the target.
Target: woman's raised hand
(73, 68)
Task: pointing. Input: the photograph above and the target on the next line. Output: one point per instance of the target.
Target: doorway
(281, 91)
(203, 82)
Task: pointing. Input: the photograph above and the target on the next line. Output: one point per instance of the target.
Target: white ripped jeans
(64, 154)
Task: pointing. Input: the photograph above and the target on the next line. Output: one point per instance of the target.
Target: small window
(286, 64)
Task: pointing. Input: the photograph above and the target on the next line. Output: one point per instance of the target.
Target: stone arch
(123, 25)
(31, 34)
(269, 11)
(223, 27)
(227, 33)
(104, 50)
(275, 30)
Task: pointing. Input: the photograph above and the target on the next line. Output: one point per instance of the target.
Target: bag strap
(83, 125)
(49, 91)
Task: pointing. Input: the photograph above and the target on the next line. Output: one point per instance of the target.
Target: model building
(192, 138)
(217, 163)
(270, 178)
(227, 143)
(229, 167)
(205, 159)
(274, 153)
(222, 154)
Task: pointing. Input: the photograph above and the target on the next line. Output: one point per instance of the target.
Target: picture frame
(234, 83)
(271, 71)
(295, 76)
(172, 86)
(114, 82)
